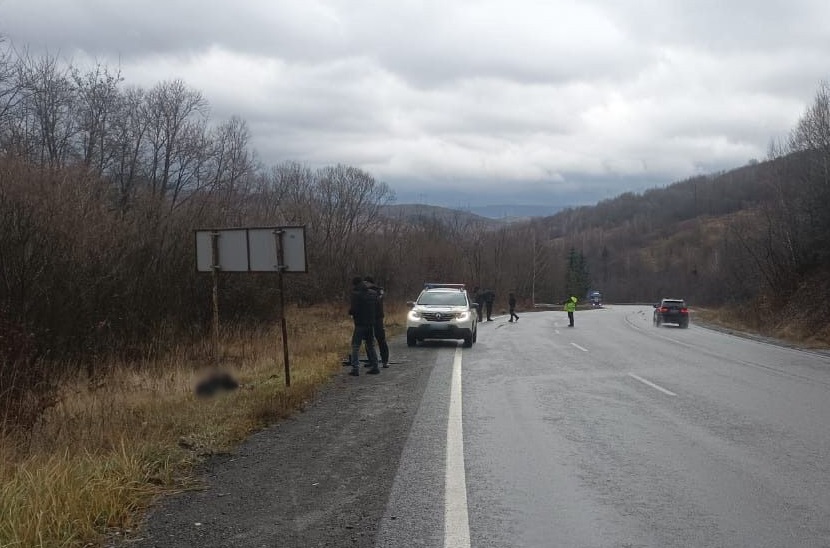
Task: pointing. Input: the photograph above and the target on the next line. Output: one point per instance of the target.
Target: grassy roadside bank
(803, 331)
(100, 457)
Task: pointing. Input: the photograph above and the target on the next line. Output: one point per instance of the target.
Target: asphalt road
(613, 433)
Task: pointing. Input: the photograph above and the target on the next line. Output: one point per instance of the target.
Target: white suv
(442, 311)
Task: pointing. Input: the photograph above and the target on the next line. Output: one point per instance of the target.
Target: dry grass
(812, 331)
(97, 459)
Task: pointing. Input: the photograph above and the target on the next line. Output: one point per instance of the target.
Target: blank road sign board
(252, 249)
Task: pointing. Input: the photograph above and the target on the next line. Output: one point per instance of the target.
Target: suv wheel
(410, 340)
(468, 341)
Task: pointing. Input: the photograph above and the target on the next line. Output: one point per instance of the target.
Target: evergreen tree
(577, 277)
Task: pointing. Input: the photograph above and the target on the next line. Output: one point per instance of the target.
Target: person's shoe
(386, 365)
(355, 372)
(517, 318)
(509, 321)
(489, 319)
(373, 371)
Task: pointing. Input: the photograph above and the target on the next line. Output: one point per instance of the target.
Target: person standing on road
(570, 307)
(362, 310)
(489, 297)
(379, 331)
(511, 302)
(477, 297)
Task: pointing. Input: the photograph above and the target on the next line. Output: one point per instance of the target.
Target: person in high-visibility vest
(570, 306)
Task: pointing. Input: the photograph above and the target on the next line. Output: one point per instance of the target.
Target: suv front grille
(438, 316)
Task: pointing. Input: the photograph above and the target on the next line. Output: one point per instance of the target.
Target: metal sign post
(280, 266)
(214, 269)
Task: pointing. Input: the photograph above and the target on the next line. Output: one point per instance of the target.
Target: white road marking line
(456, 520)
(651, 384)
(583, 349)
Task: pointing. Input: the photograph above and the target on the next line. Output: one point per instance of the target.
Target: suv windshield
(441, 298)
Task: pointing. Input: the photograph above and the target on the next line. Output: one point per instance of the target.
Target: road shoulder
(319, 478)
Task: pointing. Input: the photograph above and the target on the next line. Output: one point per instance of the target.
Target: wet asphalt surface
(613, 433)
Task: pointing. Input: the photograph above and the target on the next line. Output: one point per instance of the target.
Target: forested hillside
(102, 186)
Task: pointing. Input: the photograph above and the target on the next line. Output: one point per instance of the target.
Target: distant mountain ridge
(423, 212)
(515, 212)
(490, 215)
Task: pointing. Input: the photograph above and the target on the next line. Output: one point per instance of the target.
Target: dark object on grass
(218, 381)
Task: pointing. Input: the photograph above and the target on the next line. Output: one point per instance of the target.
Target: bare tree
(231, 165)
(809, 167)
(128, 141)
(175, 125)
(98, 96)
(347, 200)
(539, 260)
(796, 235)
(47, 120)
(287, 193)
(9, 93)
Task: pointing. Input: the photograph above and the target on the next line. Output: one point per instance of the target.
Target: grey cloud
(545, 44)
(717, 26)
(426, 43)
(305, 31)
(487, 99)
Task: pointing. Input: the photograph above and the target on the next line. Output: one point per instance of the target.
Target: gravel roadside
(319, 478)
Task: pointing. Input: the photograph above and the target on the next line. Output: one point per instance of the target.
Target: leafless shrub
(26, 390)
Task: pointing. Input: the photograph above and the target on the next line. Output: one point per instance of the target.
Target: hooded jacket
(378, 301)
(363, 304)
(570, 305)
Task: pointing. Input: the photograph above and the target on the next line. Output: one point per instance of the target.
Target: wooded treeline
(102, 186)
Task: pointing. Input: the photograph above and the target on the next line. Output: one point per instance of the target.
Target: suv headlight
(414, 314)
(463, 316)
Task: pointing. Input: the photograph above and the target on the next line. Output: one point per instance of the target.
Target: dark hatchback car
(671, 311)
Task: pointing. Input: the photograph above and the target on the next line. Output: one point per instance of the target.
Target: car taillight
(664, 309)
(684, 310)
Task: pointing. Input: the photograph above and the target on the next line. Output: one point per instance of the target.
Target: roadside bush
(25, 388)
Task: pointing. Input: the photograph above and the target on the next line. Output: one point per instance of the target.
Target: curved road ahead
(610, 434)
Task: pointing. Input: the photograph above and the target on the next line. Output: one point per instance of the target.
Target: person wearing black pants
(362, 311)
(570, 308)
(380, 332)
(489, 297)
(478, 297)
(511, 302)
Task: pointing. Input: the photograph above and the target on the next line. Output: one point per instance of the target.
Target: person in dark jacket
(511, 302)
(362, 310)
(477, 297)
(379, 331)
(489, 297)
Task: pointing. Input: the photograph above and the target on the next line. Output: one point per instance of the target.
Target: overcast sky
(470, 102)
